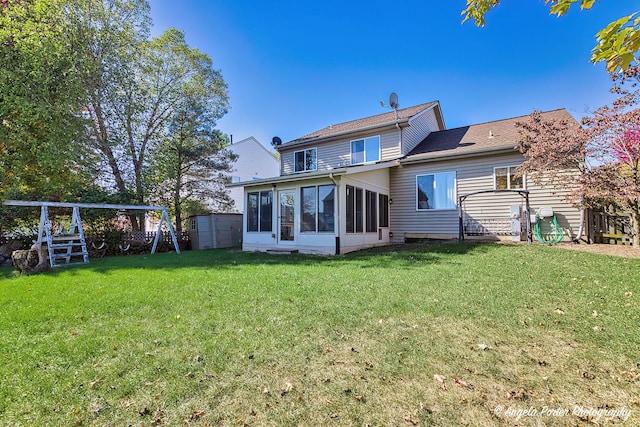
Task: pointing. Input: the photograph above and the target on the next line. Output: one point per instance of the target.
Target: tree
(189, 165)
(617, 43)
(135, 86)
(606, 152)
(111, 34)
(40, 102)
(613, 133)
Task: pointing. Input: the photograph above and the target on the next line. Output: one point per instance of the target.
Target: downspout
(581, 229)
(338, 193)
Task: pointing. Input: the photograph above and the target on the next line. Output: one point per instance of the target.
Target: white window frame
(364, 152)
(455, 192)
(315, 150)
(509, 174)
(316, 229)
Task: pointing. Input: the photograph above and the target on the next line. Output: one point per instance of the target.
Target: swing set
(69, 247)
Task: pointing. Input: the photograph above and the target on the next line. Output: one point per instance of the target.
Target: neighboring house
(392, 177)
(254, 162)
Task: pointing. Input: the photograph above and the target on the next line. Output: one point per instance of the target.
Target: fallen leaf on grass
(440, 378)
(462, 383)
(196, 414)
(558, 311)
(93, 383)
(628, 294)
(410, 420)
(286, 389)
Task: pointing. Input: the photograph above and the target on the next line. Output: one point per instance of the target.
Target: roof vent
(491, 134)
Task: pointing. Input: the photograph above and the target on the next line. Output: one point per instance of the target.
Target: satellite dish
(275, 141)
(393, 101)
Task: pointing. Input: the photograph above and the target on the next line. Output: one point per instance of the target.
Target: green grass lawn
(230, 338)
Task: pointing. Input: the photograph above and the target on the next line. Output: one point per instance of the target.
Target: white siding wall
(254, 161)
(377, 181)
(308, 242)
(335, 154)
(419, 128)
(471, 175)
(322, 242)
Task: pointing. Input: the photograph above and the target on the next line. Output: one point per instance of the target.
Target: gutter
(426, 157)
(288, 178)
(328, 138)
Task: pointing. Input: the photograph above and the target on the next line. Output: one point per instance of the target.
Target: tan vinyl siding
(286, 162)
(419, 128)
(475, 174)
(336, 154)
(390, 145)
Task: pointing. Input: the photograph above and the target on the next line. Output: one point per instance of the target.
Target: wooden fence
(607, 228)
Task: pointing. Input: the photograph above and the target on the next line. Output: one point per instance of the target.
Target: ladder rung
(57, 256)
(65, 237)
(66, 245)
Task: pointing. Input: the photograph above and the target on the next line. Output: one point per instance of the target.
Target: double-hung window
(365, 150)
(259, 211)
(305, 160)
(436, 191)
(507, 178)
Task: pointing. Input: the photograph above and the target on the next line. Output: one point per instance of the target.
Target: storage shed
(217, 230)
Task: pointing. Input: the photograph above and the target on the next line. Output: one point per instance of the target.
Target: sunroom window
(318, 214)
(259, 211)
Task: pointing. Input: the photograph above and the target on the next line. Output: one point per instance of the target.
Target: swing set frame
(44, 231)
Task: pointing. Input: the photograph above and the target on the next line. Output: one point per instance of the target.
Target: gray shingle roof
(499, 134)
(404, 114)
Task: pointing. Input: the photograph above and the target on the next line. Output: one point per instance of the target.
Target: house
(392, 177)
(254, 162)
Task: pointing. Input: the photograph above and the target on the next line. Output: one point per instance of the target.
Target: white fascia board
(425, 158)
(321, 139)
(413, 118)
(289, 178)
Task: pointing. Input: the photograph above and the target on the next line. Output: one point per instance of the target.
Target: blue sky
(295, 67)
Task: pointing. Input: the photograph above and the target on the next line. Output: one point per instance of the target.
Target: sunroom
(328, 212)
